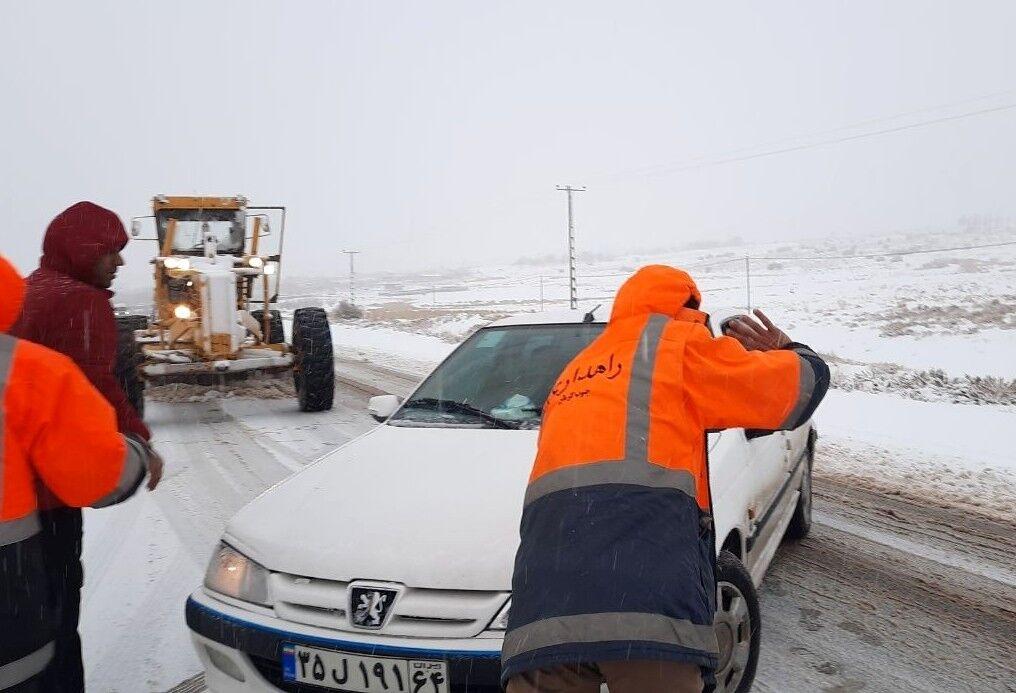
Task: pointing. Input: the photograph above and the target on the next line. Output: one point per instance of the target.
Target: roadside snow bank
(947, 453)
(989, 352)
(933, 385)
(405, 351)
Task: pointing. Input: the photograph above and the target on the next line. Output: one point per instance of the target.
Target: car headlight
(234, 575)
(500, 621)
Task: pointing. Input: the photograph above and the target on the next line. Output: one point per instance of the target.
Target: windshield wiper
(459, 407)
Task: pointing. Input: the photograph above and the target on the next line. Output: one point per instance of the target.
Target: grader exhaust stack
(213, 266)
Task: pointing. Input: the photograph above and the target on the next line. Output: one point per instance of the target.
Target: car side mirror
(383, 406)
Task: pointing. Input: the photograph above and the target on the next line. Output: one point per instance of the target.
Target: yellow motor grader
(216, 260)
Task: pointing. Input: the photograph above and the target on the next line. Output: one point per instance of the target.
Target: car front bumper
(241, 651)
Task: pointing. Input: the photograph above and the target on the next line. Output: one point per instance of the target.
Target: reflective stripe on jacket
(55, 429)
(617, 552)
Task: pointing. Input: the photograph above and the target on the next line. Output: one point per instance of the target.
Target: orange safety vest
(616, 559)
(647, 390)
(55, 430)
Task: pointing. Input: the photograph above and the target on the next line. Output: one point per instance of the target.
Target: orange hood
(658, 289)
(12, 293)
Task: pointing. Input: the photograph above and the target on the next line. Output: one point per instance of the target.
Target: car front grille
(422, 613)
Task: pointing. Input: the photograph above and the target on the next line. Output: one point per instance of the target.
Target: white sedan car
(386, 565)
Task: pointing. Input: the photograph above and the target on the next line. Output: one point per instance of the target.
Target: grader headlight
(271, 267)
(182, 311)
(255, 262)
(176, 263)
(180, 263)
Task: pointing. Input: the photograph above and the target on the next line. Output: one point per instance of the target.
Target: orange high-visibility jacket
(617, 553)
(57, 430)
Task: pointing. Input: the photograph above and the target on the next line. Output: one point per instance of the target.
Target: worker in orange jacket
(614, 578)
(56, 430)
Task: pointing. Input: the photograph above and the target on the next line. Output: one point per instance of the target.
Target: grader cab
(216, 275)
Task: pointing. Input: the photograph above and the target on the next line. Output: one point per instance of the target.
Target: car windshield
(498, 378)
(227, 225)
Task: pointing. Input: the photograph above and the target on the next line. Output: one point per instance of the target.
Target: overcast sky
(432, 134)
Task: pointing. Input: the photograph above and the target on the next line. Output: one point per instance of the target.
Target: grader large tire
(132, 322)
(314, 371)
(276, 334)
(129, 359)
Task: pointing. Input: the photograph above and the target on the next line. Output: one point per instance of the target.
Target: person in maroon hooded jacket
(67, 308)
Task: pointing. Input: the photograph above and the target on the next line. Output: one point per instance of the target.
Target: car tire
(800, 523)
(737, 624)
(129, 358)
(314, 370)
(276, 333)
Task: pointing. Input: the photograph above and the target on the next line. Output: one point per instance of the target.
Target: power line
(650, 169)
(828, 142)
(873, 255)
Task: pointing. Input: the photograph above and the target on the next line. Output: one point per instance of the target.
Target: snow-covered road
(144, 557)
(889, 593)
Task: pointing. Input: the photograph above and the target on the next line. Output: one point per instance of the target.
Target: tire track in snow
(144, 557)
(881, 597)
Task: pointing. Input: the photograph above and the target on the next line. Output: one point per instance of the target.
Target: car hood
(426, 507)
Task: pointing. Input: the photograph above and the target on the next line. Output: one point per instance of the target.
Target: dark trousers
(621, 677)
(61, 534)
(26, 621)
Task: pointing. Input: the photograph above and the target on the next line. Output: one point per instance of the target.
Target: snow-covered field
(923, 345)
(922, 348)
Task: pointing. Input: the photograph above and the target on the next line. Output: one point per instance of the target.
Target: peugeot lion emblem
(370, 606)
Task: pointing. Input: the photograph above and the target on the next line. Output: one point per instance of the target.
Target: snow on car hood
(427, 507)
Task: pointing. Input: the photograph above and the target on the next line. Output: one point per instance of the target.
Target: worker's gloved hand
(756, 335)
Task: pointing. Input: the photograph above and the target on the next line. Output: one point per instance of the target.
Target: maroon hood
(78, 237)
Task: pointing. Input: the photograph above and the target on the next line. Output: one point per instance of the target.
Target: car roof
(567, 317)
(550, 317)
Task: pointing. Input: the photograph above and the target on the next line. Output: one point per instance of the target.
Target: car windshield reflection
(498, 378)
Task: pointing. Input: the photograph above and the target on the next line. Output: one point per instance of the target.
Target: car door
(768, 462)
(797, 443)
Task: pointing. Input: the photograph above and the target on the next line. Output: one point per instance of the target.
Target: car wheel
(800, 523)
(314, 370)
(737, 625)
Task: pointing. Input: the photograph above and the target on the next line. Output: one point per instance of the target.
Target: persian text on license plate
(344, 671)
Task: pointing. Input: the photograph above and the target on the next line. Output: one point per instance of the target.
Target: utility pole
(747, 280)
(352, 292)
(573, 288)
